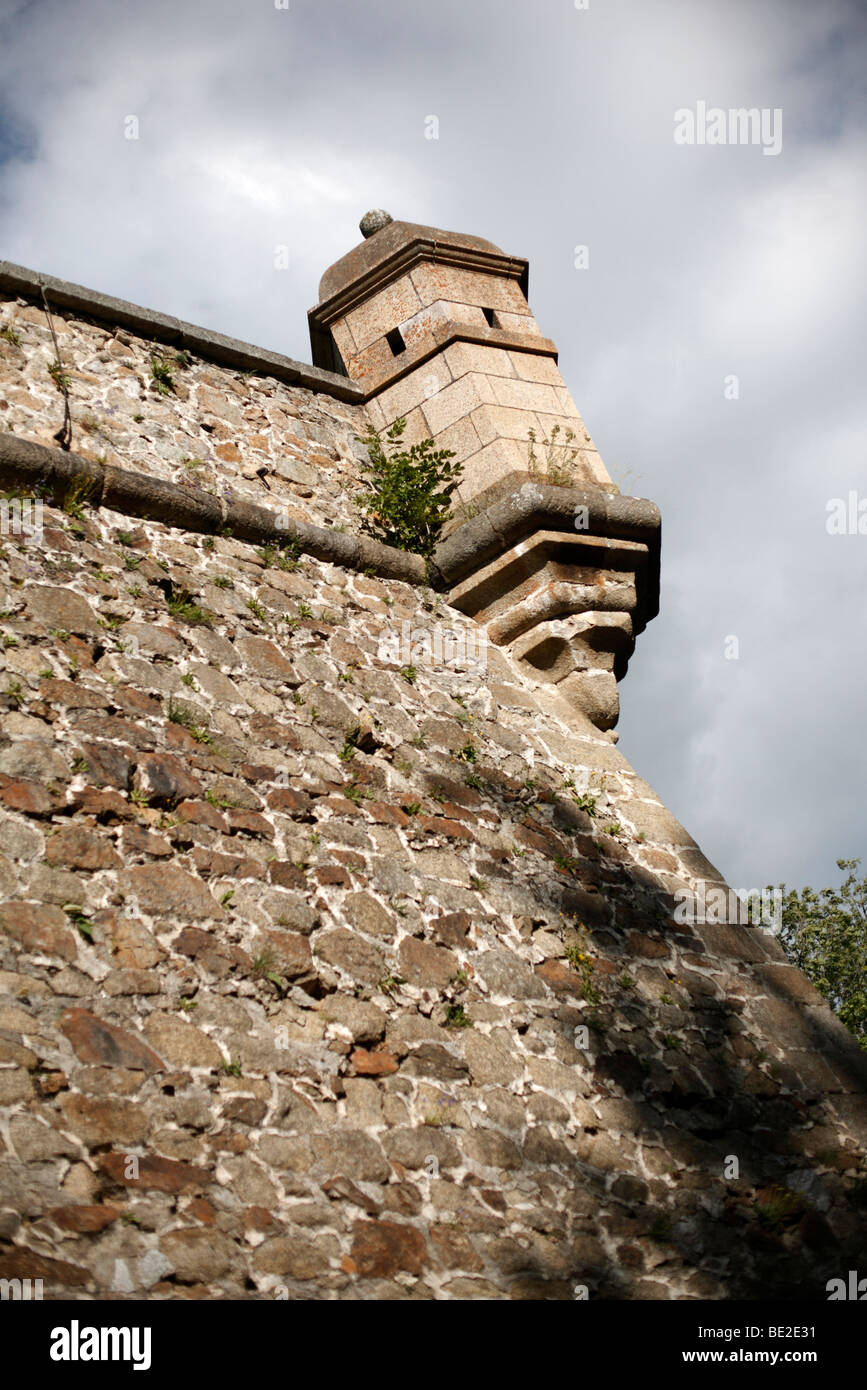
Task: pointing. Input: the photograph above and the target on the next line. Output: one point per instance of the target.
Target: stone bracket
(566, 605)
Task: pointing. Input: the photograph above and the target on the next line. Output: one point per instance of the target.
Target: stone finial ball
(373, 221)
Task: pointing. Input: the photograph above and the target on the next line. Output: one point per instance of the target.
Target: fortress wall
(329, 973)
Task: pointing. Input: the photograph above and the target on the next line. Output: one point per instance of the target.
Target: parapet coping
(165, 328)
(529, 507)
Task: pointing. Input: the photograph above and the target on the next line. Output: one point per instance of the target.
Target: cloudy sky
(261, 126)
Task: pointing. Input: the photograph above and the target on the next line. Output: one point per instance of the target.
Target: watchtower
(556, 567)
(436, 327)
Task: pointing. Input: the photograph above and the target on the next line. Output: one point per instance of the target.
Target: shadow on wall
(702, 1166)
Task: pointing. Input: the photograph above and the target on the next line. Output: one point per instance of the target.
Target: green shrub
(407, 503)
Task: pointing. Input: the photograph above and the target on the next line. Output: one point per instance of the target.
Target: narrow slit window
(395, 341)
(489, 317)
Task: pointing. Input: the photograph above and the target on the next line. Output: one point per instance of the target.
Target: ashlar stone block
(383, 312)
(462, 286)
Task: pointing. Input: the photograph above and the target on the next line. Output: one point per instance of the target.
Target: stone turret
(435, 326)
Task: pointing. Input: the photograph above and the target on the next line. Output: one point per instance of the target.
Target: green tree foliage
(825, 935)
(407, 501)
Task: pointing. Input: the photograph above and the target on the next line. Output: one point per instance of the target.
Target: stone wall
(328, 974)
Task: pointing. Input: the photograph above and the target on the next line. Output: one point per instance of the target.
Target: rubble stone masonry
(328, 975)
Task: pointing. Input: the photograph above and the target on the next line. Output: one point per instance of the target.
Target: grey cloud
(262, 127)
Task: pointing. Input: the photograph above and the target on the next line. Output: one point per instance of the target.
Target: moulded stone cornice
(516, 567)
(520, 507)
(24, 463)
(393, 251)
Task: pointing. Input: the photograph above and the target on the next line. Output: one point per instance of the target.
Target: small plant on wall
(557, 465)
(408, 489)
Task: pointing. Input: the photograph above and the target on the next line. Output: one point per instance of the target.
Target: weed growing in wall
(557, 464)
(407, 501)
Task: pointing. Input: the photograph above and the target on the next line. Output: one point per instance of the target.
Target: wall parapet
(24, 463)
(177, 333)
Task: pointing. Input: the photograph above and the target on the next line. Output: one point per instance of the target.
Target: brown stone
(75, 847)
(290, 951)
(269, 730)
(154, 1172)
(420, 963)
(453, 1249)
(264, 659)
(105, 805)
(30, 798)
(648, 947)
(96, 1041)
(251, 823)
(201, 813)
(219, 957)
(341, 1189)
(166, 891)
(439, 825)
(384, 814)
(213, 865)
(133, 701)
(245, 1110)
(24, 1264)
(351, 858)
(286, 875)
(254, 1218)
(333, 874)
(201, 1210)
(135, 948)
(42, 930)
(381, 1248)
(99, 1121)
(135, 840)
(84, 1220)
(453, 928)
(561, 978)
(374, 1063)
(50, 1082)
(72, 694)
(294, 803)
